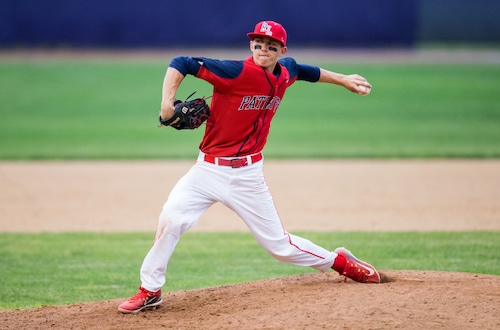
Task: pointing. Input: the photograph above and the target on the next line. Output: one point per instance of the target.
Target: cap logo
(266, 28)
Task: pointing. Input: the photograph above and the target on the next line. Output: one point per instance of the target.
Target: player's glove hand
(188, 114)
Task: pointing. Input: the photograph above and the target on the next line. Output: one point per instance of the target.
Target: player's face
(266, 52)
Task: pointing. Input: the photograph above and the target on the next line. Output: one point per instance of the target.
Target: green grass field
(56, 269)
(108, 110)
(96, 110)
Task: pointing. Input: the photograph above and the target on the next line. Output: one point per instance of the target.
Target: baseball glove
(188, 114)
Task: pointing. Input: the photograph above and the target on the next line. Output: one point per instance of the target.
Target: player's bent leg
(174, 220)
(252, 201)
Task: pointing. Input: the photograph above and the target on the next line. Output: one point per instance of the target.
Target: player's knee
(173, 222)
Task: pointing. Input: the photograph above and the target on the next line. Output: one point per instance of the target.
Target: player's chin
(263, 61)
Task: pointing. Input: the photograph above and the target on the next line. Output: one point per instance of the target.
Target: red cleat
(357, 270)
(142, 300)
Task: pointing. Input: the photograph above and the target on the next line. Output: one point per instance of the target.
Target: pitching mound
(406, 300)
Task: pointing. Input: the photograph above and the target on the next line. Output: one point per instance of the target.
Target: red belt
(233, 162)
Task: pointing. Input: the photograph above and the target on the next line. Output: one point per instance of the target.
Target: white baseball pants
(243, 190)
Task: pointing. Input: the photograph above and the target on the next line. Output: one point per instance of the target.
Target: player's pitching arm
(354, 82)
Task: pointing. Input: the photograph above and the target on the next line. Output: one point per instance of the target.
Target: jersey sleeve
(185, 65)
(219, 73)
(224, 69)
(304, 72)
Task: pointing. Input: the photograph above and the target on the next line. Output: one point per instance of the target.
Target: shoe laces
(143, 294)
(353, 271)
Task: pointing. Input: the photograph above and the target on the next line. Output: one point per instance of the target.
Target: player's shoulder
(301, 71)
(290, 64)
(287, 61)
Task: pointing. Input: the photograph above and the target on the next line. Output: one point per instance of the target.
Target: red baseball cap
(269, 29)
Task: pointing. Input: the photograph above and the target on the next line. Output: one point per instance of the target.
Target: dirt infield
(318, 195)
(310, 195)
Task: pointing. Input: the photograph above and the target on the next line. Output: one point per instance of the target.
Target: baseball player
(229, 169)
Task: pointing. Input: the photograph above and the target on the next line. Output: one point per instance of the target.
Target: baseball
(364, 90)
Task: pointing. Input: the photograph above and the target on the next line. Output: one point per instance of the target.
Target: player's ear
(283, 50)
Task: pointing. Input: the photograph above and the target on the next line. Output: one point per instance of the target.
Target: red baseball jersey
(244, 101)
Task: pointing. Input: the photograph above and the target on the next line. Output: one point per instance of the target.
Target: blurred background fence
(199, 23)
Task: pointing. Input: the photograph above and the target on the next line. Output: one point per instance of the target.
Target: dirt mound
(406, 300)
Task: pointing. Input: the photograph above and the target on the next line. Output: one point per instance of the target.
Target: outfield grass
(57, 269)
(99, 110)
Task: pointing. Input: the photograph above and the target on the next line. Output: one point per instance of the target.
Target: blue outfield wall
(163, 23)
(476, 21)
(196, 23)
